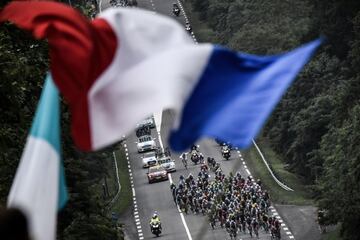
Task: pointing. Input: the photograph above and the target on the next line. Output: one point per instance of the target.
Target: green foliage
(316, 125)
(23, 66)
(23, 63)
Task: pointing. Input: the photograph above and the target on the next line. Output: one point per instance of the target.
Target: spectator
(13, 225)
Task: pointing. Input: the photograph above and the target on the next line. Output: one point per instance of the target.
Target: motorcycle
(188, 27)
(155, 229)
(176, 11)
(225, 151)
(195, 157)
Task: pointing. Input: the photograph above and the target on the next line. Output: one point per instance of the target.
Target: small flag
(38, 189)
(127, 63)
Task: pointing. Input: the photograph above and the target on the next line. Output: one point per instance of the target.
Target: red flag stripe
(80, 50)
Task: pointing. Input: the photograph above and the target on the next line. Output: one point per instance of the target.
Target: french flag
(127, 63)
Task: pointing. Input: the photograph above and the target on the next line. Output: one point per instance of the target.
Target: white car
(148, 122)
(146, 143)
(167, 163)
(149, 159)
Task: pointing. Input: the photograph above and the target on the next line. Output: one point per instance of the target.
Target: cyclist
(184, 159)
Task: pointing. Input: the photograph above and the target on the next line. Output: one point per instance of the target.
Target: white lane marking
(286, 229)
(248, 172)
(100, 3)
(137, 223)
(137, 220)
(138, 227)
(283, 224)
(291, 237)
(181, 214)
(141, 238)
(133, 190)
(288, 233)
(158, 118)
(140, 234)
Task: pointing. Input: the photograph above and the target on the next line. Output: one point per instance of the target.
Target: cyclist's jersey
(255, 223)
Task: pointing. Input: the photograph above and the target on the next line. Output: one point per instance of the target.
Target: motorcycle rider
(155, 220)
(194, 148)
(176, 9)
(188, 27)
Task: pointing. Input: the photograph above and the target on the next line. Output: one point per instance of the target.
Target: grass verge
(124, 200)
(300, 195)
(332, 235)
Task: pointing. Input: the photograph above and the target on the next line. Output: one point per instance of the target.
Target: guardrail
(282, 185)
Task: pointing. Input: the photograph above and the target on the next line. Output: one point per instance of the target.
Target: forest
(316, 126)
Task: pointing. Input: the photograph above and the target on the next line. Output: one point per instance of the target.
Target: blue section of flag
(46, 123)
(236, 94)
(63, 195)
(46, 126)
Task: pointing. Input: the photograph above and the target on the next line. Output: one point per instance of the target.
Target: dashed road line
(136, 212)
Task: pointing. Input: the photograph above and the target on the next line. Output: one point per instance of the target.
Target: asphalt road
(157, 197)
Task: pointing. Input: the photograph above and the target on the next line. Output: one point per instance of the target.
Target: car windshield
(145, 139)
(149, 155)
(167, 160)
(156, 169)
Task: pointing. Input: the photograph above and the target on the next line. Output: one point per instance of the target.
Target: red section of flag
(80, 50)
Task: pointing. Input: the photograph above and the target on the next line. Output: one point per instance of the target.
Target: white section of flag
(145, 75)
(35, 188)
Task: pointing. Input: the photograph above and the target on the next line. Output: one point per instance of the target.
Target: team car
(146, 143)
(149, 159)
(167, 163)
(157, 173)
(147, 122)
